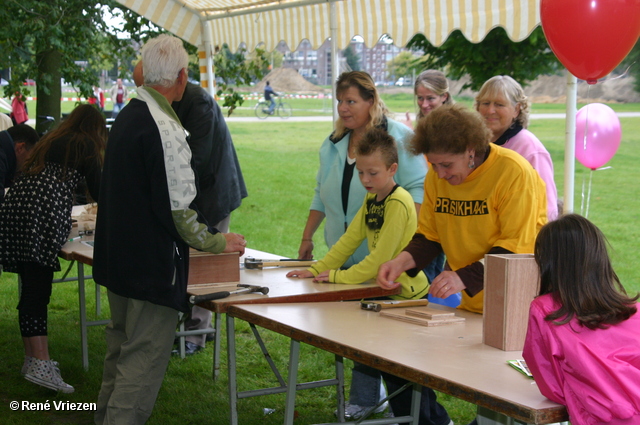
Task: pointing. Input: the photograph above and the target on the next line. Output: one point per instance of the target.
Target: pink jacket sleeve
(532, 149)
(542, 356)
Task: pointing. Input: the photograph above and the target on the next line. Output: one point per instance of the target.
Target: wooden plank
(429, 313)
(299, 294)
(402, 316)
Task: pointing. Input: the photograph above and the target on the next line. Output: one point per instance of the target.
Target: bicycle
(283, 109)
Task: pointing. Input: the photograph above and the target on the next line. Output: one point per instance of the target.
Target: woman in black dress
(35, 221)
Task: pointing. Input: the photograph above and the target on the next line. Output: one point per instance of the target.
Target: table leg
(290, 406)
(267, 356)
(98, 306)
(231, 366)
(340, 387)
(217, 339)
(181, 338)
(289, 387)
(416, 397)
(83, 317)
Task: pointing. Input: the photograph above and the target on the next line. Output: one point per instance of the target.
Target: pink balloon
(602, 128)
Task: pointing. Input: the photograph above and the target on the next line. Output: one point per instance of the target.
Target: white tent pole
(569, 143)
(208, 50)
(335, 61)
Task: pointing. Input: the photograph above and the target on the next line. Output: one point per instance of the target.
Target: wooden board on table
(422, 321)
(206, 268)
(430, 313)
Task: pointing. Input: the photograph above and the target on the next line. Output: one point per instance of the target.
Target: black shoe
(190, 348)
(210, 337)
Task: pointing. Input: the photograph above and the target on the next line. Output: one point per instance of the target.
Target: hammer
(379, 305)
(255, 263)
(195, 299)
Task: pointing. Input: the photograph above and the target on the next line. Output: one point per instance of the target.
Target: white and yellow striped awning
(268, 22)
(209, 23)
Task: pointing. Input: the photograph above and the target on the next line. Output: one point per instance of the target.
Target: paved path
(399, 116)
(328, 118)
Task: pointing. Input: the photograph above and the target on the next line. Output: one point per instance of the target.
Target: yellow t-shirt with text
(502, 203)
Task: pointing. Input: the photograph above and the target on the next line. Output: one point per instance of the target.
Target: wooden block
(422, 321)
(511, 282)
(429, 313)
(206, 268)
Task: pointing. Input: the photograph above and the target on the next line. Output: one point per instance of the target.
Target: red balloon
(590, 37)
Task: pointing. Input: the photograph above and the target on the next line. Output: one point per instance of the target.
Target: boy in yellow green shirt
(387, 219)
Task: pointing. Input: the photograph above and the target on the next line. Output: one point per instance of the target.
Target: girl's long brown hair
(85, 125)
(575, 268)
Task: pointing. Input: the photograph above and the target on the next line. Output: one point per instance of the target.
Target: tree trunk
(48, 91)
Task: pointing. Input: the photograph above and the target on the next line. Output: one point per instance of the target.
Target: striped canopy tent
(264, 23)
(207, 23)
(269, 21)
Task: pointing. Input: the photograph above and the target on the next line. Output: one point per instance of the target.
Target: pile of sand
(545, 89)
(553, 88)
(287, 80)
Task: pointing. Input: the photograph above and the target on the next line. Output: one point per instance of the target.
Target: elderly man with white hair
(145, 224)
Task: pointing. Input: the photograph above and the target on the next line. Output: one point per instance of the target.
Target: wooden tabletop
(450, 359)
(281, 288)
(79, 247)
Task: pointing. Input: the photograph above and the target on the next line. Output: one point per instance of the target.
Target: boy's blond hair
(379, 140)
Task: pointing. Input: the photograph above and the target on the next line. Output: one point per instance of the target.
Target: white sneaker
(26, 364)
(354, 411)
(28, 360)
(47, 374)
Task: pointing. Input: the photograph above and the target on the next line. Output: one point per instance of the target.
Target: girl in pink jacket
(583, 340)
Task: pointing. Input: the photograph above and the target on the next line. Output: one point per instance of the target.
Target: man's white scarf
(177, 154)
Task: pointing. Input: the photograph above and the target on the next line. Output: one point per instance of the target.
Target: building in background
(315, 65)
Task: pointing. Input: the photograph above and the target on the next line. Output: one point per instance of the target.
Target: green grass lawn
(309, 106)
(279, 162)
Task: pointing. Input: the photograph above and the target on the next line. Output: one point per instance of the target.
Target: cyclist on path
(268, 96)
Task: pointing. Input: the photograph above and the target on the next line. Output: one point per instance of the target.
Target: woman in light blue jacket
(339, 194)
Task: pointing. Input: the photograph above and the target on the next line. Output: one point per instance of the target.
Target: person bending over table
(505, 108)
(479, 199)
(35, 221)
(387, 220)
(582, 342)
(339, 194)
(145, 224)
(221, 186)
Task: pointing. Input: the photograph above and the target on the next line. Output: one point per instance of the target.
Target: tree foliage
(403, 65)
(632, 64)
(49, 40)
(495, 55)
(236, 69)
(352, 58)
